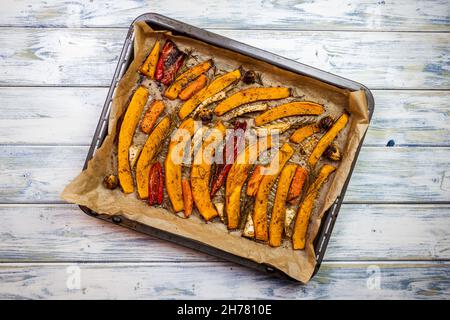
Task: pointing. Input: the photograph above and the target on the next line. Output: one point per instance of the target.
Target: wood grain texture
(50, 115)
(219, 280)
(63, 233)
(38, 174)
(87, 57)
(70, 115)
(402, 15)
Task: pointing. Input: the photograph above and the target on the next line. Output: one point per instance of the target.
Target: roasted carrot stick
(151, 115)
(193, 87)
(297, 183)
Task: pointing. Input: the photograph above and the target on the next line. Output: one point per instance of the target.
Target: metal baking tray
(160, 22)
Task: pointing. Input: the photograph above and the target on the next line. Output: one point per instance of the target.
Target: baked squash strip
(180, 138)
(297, 108)
(279, 205)
(236, 178)
(304, 213)
(201, 172)
(154, 141)
(251, 95)
(327, 138)
(126, 134)
(304, 132)
(214, 87)
(180, 82)
(149, 66)
(262, 196)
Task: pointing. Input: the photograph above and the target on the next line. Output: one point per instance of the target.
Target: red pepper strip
(222, 169)
(170, 61)
(166, 50)
(155, 184)
(171, 71)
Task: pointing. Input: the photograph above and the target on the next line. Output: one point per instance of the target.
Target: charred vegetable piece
(298, 108)
(205, 115)
(279, 205)
(249, 77)
(170, 60)
(327, 139)
(326, 123)
(182, 81)
(234, 143)
(236, 178)
(254, 181)
(110, 182)
(304, 213)
(126, 134)
(262, 195)
(187, 197)
(245, 109)
(304, 132)
(193, 87)
(151, 115)
(201, 172)
(171, 71)
(213, 88)
(155, 184)
(333, 153)
(149, 151)
(173, 163)
(301, 174)
(251, 95)
(148, 68)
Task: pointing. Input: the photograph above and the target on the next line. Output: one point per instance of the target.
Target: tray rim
(328, 220)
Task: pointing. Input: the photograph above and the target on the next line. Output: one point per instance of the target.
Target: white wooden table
(392, 238)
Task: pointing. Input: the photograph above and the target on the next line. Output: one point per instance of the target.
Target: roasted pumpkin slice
(213, 88)
(201, 172)
(236, 178)
(186, 77)
(251, 95)
(327, 138)
(173, 163)
(304, 213)
(151, 147)
(279, 205)
(126, 134)
(297, 108)
(149, 66)
(262, 196)
(304, 132)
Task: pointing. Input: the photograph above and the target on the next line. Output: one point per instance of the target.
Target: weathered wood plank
(38, 174)
(50, 115)
(310, 15)
(69, 116)
(87, 57)
(63, 233)
(218, 280)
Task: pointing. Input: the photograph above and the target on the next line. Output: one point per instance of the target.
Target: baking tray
(160, 22)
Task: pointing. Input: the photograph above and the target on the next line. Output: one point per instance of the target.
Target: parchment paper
(87, 189)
